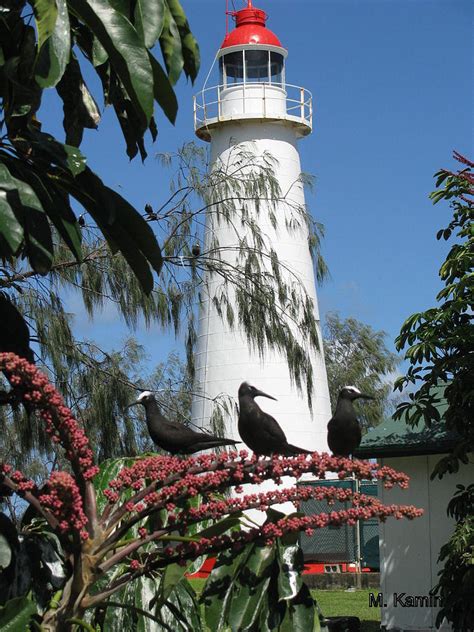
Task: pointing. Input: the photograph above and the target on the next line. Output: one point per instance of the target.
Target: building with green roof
(409, 550)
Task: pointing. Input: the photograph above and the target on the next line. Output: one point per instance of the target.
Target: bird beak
(362, 396)
(262, 394)
(132, 404)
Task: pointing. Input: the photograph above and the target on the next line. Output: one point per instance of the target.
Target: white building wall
(223, 359)
(409, 549)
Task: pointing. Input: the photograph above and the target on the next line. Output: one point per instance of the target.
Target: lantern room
(251, 53)
(252, 81)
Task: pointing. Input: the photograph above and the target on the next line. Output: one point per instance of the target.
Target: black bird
(344, 433)
(174, 437)
(259, 430)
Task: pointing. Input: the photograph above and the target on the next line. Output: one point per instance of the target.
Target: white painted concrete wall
(409, 549)
(223, 358)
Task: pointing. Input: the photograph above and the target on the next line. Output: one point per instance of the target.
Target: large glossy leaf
(64, 156)
(245, 591)
(55, 203)
(181, 610)
(29, 211)
(170, 43)
(163, 92)
(46, 13)
(301, 615)
(53, 55)
(10, 228)
(251, 589)
(15, 614)
(189, 45)
(218, 591)
(126, 52)
(122, 224)
(38, 239)
(148, 20)
(80, 109)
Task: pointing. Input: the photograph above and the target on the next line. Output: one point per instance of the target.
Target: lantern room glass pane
(234, 68)
(256, 66)
(276, 68)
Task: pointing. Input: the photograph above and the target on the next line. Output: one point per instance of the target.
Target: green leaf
(290, 561)
(301, 615)
(15, 614)
(10, 228)
(55, 204)
(65, 156)
(80, 109)
(53, 55)
(121, 223)
(189, 45)
(218, 591)
(127, 53)
(170, 44)
(28, 209)
(148, 19)
(38, 239)
(251, 589)
(163, 91)
(46, 13)
(5, 553)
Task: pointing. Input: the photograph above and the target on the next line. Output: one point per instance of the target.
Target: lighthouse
(254, 108)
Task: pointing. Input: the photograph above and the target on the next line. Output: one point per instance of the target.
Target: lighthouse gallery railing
(214, 104)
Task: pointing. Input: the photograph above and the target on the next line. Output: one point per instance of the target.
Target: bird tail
(215, 443)
(293, 450)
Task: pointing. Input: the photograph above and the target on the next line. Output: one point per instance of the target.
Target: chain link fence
(335, 545)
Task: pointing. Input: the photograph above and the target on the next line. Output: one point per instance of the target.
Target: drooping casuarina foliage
(440, 348)
(140, 523)
(93, 378)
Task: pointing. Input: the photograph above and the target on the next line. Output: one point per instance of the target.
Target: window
(276, 68)
(256, 65)
(232, 68)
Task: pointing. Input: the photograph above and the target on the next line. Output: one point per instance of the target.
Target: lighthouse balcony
(252, 101)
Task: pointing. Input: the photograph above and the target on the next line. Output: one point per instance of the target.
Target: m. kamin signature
(404, 600)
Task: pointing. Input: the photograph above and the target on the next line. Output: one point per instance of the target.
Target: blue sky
(392, 82)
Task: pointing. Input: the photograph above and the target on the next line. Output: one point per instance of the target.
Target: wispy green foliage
(253, 291)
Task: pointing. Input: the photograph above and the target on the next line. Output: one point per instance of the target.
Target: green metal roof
(397, 438)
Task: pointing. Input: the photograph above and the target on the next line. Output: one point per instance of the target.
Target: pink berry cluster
(21, 483)
(161, 481)
(60, 423)
(64, 501)
(267, 533)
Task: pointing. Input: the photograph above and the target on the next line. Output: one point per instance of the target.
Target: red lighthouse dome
(250, 29)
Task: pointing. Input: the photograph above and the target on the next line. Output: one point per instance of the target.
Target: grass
(337, 603)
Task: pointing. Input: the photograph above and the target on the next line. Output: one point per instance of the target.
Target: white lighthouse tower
(254, 108)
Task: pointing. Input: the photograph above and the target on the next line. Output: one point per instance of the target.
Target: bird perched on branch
(344, 433)
(172, 436)
(259, 430)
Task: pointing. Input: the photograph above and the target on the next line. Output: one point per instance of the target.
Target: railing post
(264, 102)
(194, 112)
(302, 102)
(311, 111)
(219, 103)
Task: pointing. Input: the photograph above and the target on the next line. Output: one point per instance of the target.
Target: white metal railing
(244, 100)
